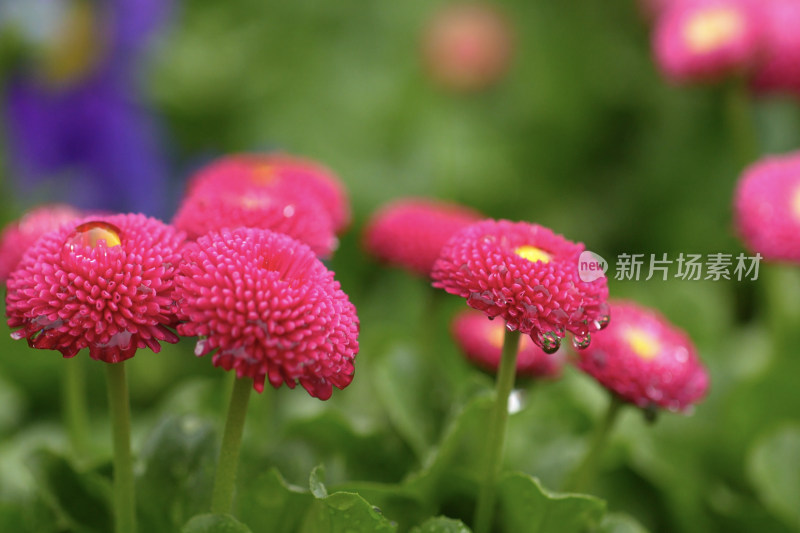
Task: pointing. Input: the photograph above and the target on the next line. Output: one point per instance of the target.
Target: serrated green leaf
(344, 512)
(214, 523)
(81, 500)
(269, 504)
(526, 507)
(620, 523)
(179, 458)
(442, 524)
(774, 468)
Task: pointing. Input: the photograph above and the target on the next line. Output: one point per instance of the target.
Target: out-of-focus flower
(481, 340)
(467, 46)
(767, 207)
(103, 284)
(289, 176)
(705, 40)
(303, 219)
(268, 309)
(645, 360)
(20, 234)
(778, 69)
(528, 276)
(75, 119)
(410, 232)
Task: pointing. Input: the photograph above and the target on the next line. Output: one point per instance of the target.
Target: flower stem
(740, 122)
(74, 403)
(224, 482)
(583, 475)
(497, 432)
(119, 405)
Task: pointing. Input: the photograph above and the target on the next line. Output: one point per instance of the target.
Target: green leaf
(620, 523)
(179, 458)
(273, 504)
(442, 524)
(774, 468)
(214, 523)
(526, 507)
(344, 512)
(79, 499)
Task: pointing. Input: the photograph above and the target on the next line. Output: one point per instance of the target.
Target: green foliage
(214, 523)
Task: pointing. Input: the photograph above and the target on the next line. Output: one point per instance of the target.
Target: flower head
(528, 276)
(302, 219)
(269, 309)
(777, 69)
(283, 174)
(481, 340)
(767, 207)
(645, 360)
(20, 234)
(411, 232)
(701, 40)
(468, 46)
(100, 283)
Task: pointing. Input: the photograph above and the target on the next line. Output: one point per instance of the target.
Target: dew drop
(549, 342)
(581, 342)
(90, 235)
(511, 327)
(516, 401)
(602, 322)
(200, 347)
(18, 335)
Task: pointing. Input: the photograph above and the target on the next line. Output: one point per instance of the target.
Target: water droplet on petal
(91, 235)
(549, 342)
(602, 322)
(581, 342)
(18, 335)
(200, 347)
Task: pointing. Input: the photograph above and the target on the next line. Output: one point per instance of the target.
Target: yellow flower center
(642, 343)
(76, 47)
(532, 253)
(263, 174)
(712, 28)
(497, 334)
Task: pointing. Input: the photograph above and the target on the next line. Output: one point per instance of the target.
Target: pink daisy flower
(20, 234)
(269, 309)
(779, 68)
(304, 220)
(767, 207)
(704, 40)
(528, 276)
(289, 176)
(410, 232)
(645, 360)
(103, 284)
(468, 46)
(482, 342)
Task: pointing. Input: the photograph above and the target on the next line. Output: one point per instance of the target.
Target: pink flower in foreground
(304, 220)
(467, 46)
(767, 207)
(704, 40)
(410, 232)
(103, 284)
(19, 235)
(645, 360)
(779, 68)
(481, 340)
(289, 176)
(528, 276)
(268, 309)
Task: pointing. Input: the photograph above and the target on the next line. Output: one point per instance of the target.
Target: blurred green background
(582, 135)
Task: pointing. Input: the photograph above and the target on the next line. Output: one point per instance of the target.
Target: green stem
(584, 474)
(119, 405)
(497, 432)
(74, 404)
(740, 122)
(225, 480)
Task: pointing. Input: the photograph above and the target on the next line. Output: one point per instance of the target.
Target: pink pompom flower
(268, 309)
(481, 340)
(468, 46)
(767, 207)
(705, 40)
(528, 276)
(20, 234)
(105, 284)
(301, 219)
(779, 68)
(289, 176)
(645, 360)
(410, 232)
